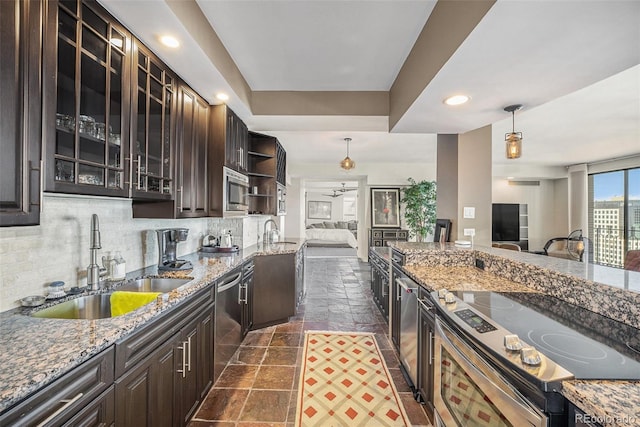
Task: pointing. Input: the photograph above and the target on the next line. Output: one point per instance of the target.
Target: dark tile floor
(259, 387)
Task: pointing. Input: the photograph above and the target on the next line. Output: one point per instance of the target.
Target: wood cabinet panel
(275, 288)
(66, 396)
(86, 89)
(20, 115)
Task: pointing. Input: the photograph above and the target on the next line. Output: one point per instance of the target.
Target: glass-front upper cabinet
(87, 103)
(152, 126)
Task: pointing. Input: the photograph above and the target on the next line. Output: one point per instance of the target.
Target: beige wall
(447, 180)
(474, 183)
(545, 216)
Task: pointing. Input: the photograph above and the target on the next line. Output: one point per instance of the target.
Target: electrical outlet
(469, 212)
(479, 263)
(469, 231)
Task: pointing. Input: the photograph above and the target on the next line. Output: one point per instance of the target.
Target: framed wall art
(385, 208)
(319, 210)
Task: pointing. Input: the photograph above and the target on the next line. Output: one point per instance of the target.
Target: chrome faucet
(273, 235)
(93, 271)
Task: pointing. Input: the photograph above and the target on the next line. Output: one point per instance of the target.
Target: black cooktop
(589, 345)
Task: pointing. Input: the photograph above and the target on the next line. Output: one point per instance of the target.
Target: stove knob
(449, 298)
(442, 292)
(530, 356)
(512, 342)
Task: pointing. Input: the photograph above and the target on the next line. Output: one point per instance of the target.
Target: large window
(614, 215)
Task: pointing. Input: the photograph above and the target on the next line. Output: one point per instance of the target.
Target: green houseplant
(419, 199)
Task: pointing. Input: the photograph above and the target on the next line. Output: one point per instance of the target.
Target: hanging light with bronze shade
(513, 140)
(347, 163)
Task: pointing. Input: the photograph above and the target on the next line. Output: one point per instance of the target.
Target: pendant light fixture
(513, 140)
(347, 163)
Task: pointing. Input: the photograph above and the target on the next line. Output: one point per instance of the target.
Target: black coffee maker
(168, 239)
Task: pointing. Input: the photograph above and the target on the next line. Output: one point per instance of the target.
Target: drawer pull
(62, 408)
(189, 358)
(183, 371)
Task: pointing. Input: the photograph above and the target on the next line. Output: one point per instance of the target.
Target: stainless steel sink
(153, 284)
(88, 307)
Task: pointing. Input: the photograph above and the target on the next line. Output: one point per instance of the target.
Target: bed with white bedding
(331, 236)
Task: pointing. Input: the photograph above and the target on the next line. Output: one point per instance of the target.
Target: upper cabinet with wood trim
(152, 125)
(230, 138)
(267, 174)
(20, 117)
(86, 104)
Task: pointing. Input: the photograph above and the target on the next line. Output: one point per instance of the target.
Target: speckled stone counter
(609, 403)
(36, 351)
(611, 292)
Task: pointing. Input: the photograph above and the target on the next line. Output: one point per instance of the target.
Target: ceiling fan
(344, 189)
(336, 193)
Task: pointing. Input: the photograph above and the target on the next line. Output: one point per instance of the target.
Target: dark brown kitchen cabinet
(230, 138)
(274, 289)
(380, 282)
(166, 368)
(68, 398)
(426, 337)
(99, 413)
(145, 394)
(246, 297)
(86, 100)
(267, 175)
(191, 155)
(20, 114)
(152, 125)
(191, 164)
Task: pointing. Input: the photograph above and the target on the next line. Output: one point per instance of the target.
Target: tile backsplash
(58, 249)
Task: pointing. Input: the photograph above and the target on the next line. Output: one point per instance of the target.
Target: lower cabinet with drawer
(173, 369)
(157, 376)
(380, 236)
(80, 397)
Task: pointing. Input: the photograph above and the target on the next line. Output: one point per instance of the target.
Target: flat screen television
(505, 222)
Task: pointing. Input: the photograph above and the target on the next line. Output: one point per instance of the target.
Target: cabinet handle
(398, 297)
(62, 408)
(41, 172)
(189, 357)
(430, 347)
(181, 198)
(183, 371)
(139, 182)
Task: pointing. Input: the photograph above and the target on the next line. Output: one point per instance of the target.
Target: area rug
(345, 382)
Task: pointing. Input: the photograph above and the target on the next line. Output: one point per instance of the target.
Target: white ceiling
(554, 57)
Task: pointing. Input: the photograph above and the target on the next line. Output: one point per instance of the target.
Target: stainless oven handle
(515, 409)
(424, 306)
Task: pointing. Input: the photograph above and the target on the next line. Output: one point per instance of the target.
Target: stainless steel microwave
(235, 193)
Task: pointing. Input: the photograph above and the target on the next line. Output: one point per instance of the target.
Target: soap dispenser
(119, 267)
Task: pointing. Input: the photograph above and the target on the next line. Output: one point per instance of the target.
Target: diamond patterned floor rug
(345, 382)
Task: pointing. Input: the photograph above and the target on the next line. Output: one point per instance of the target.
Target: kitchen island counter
(36, 351)
(435, 266)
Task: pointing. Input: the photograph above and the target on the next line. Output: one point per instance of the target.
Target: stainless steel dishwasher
(407, 294)
(228, 335)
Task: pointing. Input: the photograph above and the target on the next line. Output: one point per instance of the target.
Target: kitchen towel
(345, 382)
(123, 302)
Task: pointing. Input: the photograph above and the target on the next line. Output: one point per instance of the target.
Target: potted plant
(419, 199)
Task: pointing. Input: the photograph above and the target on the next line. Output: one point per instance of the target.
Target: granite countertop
(35, 351)
(461, 279)
(610, 403)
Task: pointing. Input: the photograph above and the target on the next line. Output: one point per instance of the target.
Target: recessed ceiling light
(169, 41)
(222, 96)
(456, 100)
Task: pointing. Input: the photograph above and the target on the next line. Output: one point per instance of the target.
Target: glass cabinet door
(91, 115)
(152, 126)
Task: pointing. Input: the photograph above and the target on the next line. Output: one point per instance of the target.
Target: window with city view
(614, 216)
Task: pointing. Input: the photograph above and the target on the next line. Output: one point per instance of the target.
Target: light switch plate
(469, 212)
(469, 231)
